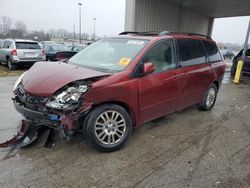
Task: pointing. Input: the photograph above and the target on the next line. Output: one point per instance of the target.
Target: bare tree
(61, 33)
(20, 28)
(51, 33)
(38, 35)
(6, 24)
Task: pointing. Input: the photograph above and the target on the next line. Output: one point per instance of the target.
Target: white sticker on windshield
(136, 42)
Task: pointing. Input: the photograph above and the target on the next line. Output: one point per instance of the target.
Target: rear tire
(107, 127)
(209, 98)
(10, 64)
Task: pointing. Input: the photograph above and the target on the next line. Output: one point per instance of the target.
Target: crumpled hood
(45, 78)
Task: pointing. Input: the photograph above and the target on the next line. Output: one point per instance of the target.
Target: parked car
(78, 47)
(51, 50)
(72, 50)
(64, 56)
(44, 43)
(227, 53)
(17, 52)
(246, 67)
(119, 83)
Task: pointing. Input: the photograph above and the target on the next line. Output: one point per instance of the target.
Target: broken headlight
(19, 80)
(67, 98)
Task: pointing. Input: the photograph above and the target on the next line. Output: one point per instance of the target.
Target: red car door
(196, 73)
(159, 91)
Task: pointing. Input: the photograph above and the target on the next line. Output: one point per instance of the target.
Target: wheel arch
(7, 57)
(217, 83)
(122, 104)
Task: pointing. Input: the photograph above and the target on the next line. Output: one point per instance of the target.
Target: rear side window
(6, 44)
(1, 44)
(27, 45)
(212, 51)
(191, 52)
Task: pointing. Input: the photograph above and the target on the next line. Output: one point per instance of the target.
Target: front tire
(210, 98)
(107, 127)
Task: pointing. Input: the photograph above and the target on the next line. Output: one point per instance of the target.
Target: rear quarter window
(27, 45)
(191, 52)
(6, 44)
(212, 51)
(1, 44)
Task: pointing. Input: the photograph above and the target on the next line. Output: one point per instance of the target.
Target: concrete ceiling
(216, 8)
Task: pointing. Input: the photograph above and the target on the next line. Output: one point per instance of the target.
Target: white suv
(17, 52)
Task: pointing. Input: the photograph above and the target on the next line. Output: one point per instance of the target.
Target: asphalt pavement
(190, 148)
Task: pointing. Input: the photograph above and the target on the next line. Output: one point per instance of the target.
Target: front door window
(162, 56)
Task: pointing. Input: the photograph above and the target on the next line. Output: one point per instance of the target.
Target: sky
(231, 30)
(109, 14)
(48, 14)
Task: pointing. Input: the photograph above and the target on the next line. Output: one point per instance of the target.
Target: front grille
(29, 101)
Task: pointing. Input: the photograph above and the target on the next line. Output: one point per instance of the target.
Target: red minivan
(117, 84)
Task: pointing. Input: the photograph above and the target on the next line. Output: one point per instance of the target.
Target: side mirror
(147, 68)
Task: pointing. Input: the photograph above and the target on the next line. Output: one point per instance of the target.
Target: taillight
(60, 56)
(13, 52)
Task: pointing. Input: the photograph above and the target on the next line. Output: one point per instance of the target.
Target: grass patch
(4, 71)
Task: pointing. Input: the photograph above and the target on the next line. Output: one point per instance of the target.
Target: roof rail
(184, 33)
(164, 33)
(140, 33)
(128, 32)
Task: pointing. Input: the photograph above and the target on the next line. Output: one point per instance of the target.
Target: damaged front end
(60, 112)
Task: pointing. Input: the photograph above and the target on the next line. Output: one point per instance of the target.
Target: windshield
(109, 55)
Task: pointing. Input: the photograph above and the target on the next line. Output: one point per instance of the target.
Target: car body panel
(194, 82)
(39, 81)
(158, 94)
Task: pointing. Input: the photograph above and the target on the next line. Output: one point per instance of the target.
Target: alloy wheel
(110, 127)
(210, 97)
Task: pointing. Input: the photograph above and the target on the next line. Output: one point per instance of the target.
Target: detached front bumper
(26, 135)
(51, 120)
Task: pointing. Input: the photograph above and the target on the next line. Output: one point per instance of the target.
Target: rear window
(191, 52)
(27, 45)
(212, 51)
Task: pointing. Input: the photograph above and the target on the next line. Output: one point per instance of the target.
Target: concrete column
(130, 15)
(160, 15)
(210, 26)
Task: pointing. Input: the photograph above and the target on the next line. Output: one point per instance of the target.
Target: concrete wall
(158, 15)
